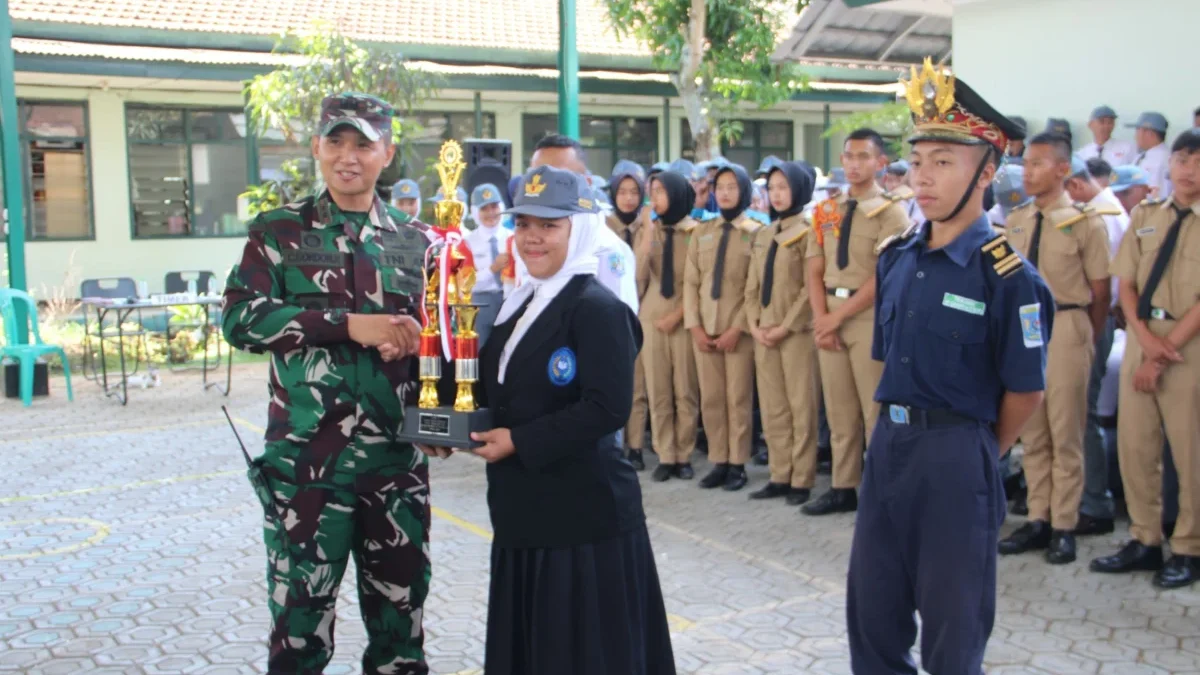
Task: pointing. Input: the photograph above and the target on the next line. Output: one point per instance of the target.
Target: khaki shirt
(877, 216)
(614, 223)
(699, 308)
(1069, 257)
(789, 296)
(1179, 289)
(649, 269)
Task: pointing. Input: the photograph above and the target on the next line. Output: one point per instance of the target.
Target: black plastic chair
(113, 288)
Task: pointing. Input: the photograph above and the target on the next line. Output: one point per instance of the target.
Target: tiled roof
(500, 24)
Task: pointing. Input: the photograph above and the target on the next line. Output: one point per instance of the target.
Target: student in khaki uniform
(627, 190)
(841, 282)
(779, 317)
(713, 310)
(1068, 244)
(670, 362)
(1159, 270)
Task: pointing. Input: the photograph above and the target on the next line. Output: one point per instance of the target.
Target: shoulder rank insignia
(1005, 260)
(1152, 201)
(898, 195)
(796, 239)
(893, 239)
(1084, 211)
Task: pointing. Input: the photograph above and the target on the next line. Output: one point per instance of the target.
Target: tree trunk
(693, 94)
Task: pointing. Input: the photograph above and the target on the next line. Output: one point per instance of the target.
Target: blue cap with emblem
(1154, 121)
(684, 167)
(1103, 112)
(658, 167)
(547, 192)
(459, 194)
(1009, 187)
(406, 189)
(484, 194)
(628, 167)
(768, 163)
(1058, 125)
(1127, 176)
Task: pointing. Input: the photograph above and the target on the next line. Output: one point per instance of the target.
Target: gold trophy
(451, 278)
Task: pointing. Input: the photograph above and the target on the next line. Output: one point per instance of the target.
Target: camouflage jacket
(335, 406)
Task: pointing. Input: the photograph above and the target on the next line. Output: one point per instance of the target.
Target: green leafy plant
(892, 120)
(718, 53)
(327, 62)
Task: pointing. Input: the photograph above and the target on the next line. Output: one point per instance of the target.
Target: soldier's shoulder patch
(1004, 260)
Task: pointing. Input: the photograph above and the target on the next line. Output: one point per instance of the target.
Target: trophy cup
(449, 327)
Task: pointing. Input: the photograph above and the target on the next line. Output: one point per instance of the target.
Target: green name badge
(963, 304)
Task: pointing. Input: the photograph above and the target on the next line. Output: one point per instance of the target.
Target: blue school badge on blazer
(616, 264)
(562, 366)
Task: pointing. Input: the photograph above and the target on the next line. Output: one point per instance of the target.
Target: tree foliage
(327, 62)
(892, 120)
(718, 53)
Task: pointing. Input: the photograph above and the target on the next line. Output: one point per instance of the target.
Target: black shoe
(824, 461)
(797, 496)
(1032, 536)
(1134, 555)
(635, 458)
(1062, 548)
(1020, 505)
(1180, 571)
(736, 479)
(662, 473)
(684, 471)
(716, 477)
(771, 491)
(761, 458)
(1169, 529)
(1089, 526)
(837, 500)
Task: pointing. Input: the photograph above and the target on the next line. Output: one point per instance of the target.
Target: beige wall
(114, 252)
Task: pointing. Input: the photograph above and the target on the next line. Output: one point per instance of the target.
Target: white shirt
(478, 240)
(616, 269)
(1156, 161)
(913, 210)
(1116, 228)
(996, 215)
(1116, 152)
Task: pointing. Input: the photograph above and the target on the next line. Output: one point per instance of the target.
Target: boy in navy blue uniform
(962, 325)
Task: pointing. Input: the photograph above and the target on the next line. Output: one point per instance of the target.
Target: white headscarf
(581, 259)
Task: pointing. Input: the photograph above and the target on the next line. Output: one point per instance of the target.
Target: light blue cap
(899, 167)
(628, 167)
(683, 166)
(1009, 187)
(459, 194)
(1154, 121)
(597, 181)
(1100, 112)
(1078, 167)
(484, 194)
(1127, 176)
(406, 189)
(659, 167)
(769, 162)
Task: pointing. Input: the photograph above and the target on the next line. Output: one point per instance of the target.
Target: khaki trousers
(1141, 419)
(635, 428)
(673, 392)
(849, 378)
(788, 388)
(726, 401)
(1053, 438)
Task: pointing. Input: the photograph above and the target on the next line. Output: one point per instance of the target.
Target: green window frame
(35, 148)
(208, 142)
(759, 139)
(606, 139)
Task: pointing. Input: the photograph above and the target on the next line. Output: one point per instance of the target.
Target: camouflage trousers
(318, 529)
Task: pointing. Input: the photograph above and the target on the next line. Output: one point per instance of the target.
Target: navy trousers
(929, 515)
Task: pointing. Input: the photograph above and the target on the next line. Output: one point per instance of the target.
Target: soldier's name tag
(962, 304)
(313, 257)
(1145, 231)
(1031, 324)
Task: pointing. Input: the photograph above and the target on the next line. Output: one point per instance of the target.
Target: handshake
(395, 336)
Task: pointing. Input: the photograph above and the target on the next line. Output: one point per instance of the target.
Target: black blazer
(568, 482)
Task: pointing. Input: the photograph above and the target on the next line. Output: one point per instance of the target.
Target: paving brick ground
(129, 543)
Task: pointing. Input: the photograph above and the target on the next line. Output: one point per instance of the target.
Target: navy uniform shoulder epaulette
(1005, 261)
(893, 239)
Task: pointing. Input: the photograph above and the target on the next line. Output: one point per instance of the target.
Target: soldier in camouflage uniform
(323, 285)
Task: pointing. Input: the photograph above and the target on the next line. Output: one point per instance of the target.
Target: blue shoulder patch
(561, 368)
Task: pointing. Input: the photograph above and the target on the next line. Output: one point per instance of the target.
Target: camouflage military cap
(369, 114)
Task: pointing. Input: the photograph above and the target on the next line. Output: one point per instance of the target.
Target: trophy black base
(444, 426)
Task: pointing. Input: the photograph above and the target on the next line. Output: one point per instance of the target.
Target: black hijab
(681, 196)
(801, 179)
(744, 194)
(614, 185)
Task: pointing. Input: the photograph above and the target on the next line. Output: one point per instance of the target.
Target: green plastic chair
(26, 355)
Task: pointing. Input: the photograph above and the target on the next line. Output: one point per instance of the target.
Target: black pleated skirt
(593, 609)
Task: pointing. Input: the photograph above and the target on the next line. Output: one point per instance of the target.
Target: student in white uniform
(489, 245)
(1153, 154)
(1096, 509)
(1112, 150)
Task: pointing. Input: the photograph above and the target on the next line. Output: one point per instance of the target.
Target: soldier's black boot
(716, 477)
(837, 500)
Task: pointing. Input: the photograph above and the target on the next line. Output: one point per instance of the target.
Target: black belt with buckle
(899, 413)
(1067, 308)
